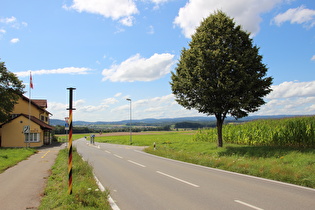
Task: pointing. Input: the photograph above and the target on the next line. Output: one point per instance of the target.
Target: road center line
(45, 154)
(194, 185)
(136, 163)
(107, 151)
(249, 205)
(118, 156)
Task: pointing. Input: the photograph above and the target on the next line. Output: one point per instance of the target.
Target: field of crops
(289, 132)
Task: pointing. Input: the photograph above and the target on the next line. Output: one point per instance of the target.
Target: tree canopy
(221, 73)
(10, 90)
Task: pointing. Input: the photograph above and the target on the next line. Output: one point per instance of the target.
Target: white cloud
(59, 110)
(13, 22)
(8, 20)
(127, 21)
(293, 89)
(313, 58)
(159, 1)
(150, 30)
(118, 94)
(83, 111)
(67, 70)
(2, 31)
(246, 13)
(137, 68)
(15, 40)
(90, 108)
(115, 9)
(299, 15)
(288, 106)
(157, 107)
(290, 98)
(109, 101)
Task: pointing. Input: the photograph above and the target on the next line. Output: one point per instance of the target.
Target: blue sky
(110, 50)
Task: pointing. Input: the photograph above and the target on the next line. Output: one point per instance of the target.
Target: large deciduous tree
(10, 90)
(221, 73)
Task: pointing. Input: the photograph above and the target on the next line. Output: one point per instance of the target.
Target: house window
(42, 118)
(32, 137)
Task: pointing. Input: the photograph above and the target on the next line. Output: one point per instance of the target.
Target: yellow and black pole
(70, 141)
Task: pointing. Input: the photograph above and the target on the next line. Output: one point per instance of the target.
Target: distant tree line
(85, 129)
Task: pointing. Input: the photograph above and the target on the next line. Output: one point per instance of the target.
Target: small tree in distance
(221, 72)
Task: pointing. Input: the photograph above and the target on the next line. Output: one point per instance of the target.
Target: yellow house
(24, 129)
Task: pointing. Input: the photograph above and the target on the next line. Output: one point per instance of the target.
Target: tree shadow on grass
(261, 151)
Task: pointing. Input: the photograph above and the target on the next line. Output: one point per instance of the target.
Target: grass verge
(85, 192)
(11, 156)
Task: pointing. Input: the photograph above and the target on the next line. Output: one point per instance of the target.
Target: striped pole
(70, 141)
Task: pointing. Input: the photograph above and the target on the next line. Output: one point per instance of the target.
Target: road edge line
(110, 199)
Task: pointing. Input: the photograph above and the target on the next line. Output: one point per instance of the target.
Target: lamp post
(128, 99)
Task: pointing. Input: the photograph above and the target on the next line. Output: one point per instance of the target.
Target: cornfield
(287, 132)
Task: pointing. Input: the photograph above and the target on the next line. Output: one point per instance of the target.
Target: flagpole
(29, 110)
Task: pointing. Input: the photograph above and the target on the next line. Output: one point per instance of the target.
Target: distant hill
(152, 121)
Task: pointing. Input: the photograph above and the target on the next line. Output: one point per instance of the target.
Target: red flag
(31, 81)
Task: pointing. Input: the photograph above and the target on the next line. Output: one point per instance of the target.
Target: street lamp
(128, 99)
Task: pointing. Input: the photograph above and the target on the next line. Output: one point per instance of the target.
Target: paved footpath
(22, 186)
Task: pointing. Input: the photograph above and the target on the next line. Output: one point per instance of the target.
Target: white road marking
(112, 203)
(249, 205)
(110, 200)
(136, 163)
(194, 185)
(108, 152)
(118, 156)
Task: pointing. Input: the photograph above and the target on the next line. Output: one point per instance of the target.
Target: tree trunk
(220, 120)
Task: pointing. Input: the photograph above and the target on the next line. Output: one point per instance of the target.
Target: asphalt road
(138, 180)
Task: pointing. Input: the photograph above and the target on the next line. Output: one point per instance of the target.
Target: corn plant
(292, 132)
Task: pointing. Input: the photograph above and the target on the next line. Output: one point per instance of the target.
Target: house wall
(13, 135)
(23, 107)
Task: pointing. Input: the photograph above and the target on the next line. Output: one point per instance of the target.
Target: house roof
(42, 124)
(39, 103)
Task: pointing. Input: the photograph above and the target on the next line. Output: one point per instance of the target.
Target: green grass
(85, 192)
(286, 164)
(148, 138)
(11, 156)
